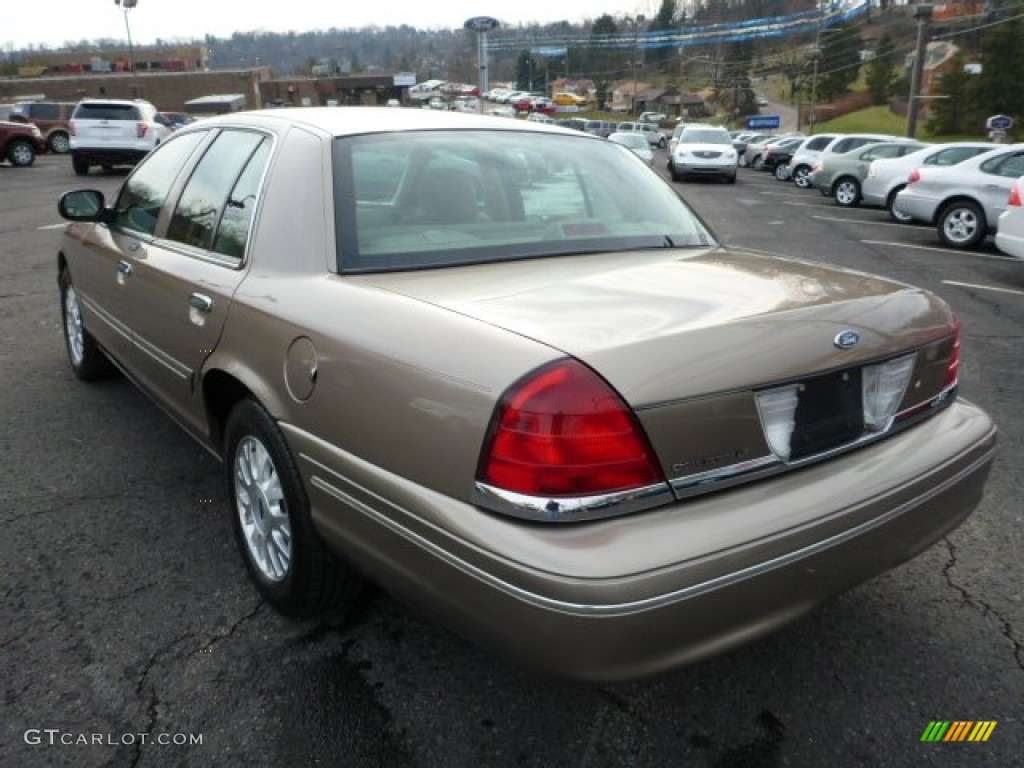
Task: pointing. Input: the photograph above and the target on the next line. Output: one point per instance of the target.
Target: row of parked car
(967, 190)
(103, 132)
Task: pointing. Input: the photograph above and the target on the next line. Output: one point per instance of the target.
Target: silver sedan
(963, 202)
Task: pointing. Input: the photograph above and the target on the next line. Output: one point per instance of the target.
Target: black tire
(21, 153)
(292, 567)
(80, 165)
(846, 191)
(962, 224)
(890, 205)
(87, 360)
(662, 143)
(731, 179)
(800, 176)
(59, 143)
(757, 163)
(676, 176)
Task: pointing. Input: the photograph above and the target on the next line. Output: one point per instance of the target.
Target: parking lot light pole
(923, 15)
(125, 5)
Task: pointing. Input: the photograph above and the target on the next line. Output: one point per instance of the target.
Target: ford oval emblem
(846, 339)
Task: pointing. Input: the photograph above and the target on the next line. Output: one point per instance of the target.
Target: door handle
(201, 302)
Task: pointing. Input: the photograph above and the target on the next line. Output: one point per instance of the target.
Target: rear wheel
(21, 153)
(847, 192)
(59, 143)
(291, 565)
(894, 214)
(758, 162)
(800, 176)
(80, 165)
(962, 224)
(780, 172)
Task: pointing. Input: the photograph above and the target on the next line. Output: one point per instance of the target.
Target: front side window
(436, 198)
(143, 194)
(205, 197)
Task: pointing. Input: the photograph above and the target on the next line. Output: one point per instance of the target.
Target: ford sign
(846, 339)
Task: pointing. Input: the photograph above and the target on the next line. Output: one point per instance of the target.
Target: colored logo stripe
(958, 730)
(935, 731)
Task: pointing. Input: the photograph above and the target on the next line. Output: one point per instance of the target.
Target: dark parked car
(503, 370)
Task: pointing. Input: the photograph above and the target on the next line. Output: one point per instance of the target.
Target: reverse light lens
(777, 408)
(883, 386)
(564, 432)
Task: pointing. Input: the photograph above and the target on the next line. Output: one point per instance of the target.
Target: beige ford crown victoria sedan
(503, 371)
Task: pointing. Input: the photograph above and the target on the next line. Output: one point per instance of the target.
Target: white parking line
(984, 287)
(808, 205)
(863, 221)
(51, 226)
(938, 250)
(781, 194)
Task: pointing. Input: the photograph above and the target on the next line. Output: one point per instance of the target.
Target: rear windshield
(439, 198)
(106, 112)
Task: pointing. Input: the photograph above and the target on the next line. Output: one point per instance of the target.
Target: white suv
(650, 130)
(109, 132)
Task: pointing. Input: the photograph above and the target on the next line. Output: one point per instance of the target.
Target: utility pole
(637, 20)
(923, 15)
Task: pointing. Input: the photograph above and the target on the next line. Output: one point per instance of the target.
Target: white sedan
(1010, 234)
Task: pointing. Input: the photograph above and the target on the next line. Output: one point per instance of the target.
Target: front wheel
(87, 359)
(962, 224)
(291, 565)
(847, 192)
(21, 153)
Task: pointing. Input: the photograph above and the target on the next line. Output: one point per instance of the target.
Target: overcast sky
(53, 22)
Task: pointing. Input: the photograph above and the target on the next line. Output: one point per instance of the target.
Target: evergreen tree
(603, 62)
(840, 60)
(1000, 87)
(957, 111)
(880, 71)
(666, 19)
(526, 71)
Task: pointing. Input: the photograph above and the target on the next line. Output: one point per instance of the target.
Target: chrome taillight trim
(570, 510)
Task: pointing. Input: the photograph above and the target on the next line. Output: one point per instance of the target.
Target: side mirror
(83, 205)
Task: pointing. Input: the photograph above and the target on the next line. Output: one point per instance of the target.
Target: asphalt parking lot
(132, 635)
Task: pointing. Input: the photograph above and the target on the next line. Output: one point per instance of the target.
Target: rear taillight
(563, 432)
(140, 129)
(953, 366)
(915, 176)
(872, 171)
(1016, 194)
(816, 168)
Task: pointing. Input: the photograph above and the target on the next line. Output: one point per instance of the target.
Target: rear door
(1000, 173)
(183, 289)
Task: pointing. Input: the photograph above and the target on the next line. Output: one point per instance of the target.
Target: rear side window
(819, 143)
(106, 112)
(207, 194)
(955, 155)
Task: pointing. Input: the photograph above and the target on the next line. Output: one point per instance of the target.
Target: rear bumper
(634, 596)
(109, 155)
(915, 206)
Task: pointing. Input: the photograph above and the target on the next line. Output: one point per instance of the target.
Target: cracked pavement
(127, 610)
